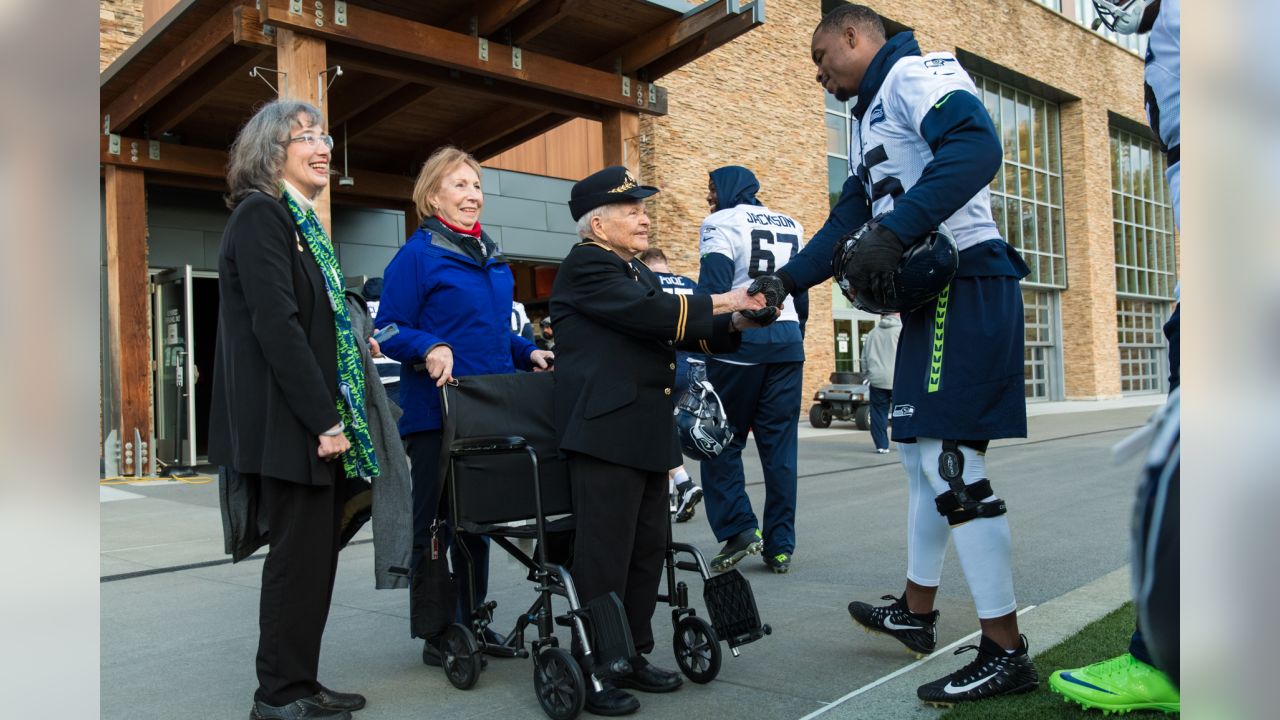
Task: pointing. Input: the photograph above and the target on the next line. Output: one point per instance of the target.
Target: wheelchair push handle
(484, 444)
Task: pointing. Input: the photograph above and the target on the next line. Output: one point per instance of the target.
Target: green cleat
(1117, 685)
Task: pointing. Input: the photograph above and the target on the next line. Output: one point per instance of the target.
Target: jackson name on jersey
(757, 240)
(888, 153)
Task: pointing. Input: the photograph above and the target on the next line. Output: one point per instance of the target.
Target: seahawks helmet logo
(706, 442)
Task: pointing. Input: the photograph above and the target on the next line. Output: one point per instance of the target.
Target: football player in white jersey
(760, 384)
(1136, 680)
(923, 151)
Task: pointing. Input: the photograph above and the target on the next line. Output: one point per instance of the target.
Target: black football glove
(874, 262)
(775, 292)
(762, 317)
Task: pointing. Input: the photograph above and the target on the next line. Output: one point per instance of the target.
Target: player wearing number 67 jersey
(923, 150)
(760, 385)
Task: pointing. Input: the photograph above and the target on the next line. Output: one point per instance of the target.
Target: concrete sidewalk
(179, 625)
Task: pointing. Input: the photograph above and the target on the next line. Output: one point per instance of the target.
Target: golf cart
(848, 397)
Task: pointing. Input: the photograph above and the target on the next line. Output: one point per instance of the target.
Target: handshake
(774, 292)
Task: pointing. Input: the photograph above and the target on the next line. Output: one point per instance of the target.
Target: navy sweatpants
(764, 399)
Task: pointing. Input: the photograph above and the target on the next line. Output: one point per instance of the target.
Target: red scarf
(473, 232)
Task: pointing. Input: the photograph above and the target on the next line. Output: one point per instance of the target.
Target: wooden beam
(235, 62)
(128, 305)
(382, 111)
(721, 33)
(203, 45)
(503, 143)
(351, 99)
(417, 41)
(621, 133)
(301, 59)
(540, 19)
(666, 38)
(390, 66)
(197, 162)
(491, 16)
(477, 132)
(247, 28)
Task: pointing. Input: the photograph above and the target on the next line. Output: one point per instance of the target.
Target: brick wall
(754, 103)
(120, 25)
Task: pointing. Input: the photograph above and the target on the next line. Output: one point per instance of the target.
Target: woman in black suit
(288, 394)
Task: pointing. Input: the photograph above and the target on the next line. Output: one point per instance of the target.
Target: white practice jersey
(888, 153)
(757, 240)
(1161, 78)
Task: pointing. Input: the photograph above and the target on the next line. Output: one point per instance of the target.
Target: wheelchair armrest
(487, 444)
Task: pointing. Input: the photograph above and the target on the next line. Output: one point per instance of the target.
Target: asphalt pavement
(179, 623)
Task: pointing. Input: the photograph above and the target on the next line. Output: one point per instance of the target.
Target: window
(1041, 346)
(1026, 196)
(1143, 364)
(1142, 212)
(1086, 14)
(1146, 259)
(1052, 4)
(837, 117)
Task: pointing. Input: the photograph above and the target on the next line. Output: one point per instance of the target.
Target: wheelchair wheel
(697, 649)
(558, 680)
(460, 656)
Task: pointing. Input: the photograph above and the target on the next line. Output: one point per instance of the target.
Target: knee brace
(963, 503)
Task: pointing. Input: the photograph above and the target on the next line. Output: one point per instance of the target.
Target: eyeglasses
(311, 140)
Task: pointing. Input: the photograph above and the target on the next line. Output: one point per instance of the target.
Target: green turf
(1100, 640)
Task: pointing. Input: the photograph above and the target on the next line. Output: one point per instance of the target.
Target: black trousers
(297, 584)
(425, 450)
(621, 537)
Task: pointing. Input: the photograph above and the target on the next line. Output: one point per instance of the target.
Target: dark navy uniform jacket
(617, 334)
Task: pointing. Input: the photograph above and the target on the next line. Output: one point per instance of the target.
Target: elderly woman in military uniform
(617, 334)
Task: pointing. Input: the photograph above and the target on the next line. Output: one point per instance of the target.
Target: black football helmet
(700, 420)
(924, 271)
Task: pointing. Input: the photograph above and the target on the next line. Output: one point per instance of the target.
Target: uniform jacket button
(672, 366)
(666, 391)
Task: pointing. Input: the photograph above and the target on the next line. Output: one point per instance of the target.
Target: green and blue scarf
(360, 460)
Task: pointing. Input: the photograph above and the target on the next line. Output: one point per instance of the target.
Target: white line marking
(899, 671)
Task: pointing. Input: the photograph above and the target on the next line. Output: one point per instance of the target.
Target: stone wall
(120, 25)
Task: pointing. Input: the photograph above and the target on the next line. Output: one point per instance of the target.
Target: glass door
(174, 367)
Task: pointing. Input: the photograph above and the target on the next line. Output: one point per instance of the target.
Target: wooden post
(302, 57)
(621, 135)
(127, 308)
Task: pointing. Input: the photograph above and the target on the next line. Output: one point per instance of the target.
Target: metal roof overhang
(485, 75)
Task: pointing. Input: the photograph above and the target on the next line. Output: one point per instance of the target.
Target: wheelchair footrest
(732, 607)
(611, 645)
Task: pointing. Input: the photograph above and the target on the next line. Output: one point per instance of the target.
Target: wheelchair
(503, 467)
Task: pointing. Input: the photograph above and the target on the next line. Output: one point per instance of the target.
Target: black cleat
(747, 542)
(994, 672)
(918, 632)
(778, 562)
(687, 498)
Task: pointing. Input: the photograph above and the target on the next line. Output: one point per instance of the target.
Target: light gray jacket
(880, 351)
(392, 503)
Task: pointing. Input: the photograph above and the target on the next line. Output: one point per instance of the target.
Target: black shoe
(649, 678)
(304, 709)
(431, 654)
(778, 562)
(688, 496)
(334, 700)
(747, 542)
(610, 702)
(918, 632)
(994, 672)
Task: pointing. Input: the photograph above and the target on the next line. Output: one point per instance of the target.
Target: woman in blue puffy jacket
(448, 291)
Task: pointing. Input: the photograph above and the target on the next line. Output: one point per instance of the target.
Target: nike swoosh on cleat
(1073, 679)
(891, 625)
(957, 689)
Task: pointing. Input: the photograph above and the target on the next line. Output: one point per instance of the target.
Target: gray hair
(256, 159)
(602, 211)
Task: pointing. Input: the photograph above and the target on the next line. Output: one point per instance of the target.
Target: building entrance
(184, 335)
